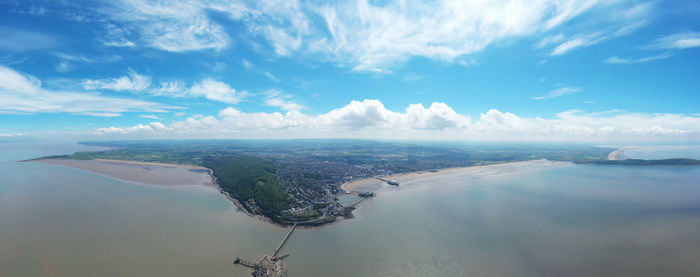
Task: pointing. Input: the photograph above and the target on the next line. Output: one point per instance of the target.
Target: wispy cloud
(247, 64)
(584, 40)
(174, 26)
(14, 39)
(149, 116)
(23, 94)
(363, 35)
(132, 82)
(616, 22)
(271, 76)
(677, 41)
(618, 60)
(251, 67)
(276, 98)
(207, 88)
(557, 92)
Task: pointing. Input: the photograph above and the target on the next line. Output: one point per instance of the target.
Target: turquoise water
(552, 219)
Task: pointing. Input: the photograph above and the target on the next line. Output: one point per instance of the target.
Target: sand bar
(369, 184)
(147, 173)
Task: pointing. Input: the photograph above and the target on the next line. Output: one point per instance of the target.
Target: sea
(544, 219)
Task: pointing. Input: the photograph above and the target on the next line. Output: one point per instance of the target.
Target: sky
(536, 70)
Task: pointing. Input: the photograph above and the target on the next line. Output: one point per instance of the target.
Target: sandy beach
(158, 174)
(369, 184)
(618, 154)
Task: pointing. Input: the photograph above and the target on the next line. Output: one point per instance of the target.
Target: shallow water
(556, 219)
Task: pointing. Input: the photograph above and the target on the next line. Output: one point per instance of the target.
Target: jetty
(269, 266)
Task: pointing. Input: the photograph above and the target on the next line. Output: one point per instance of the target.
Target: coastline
(131, 170)
(618, 154)
(349, 187)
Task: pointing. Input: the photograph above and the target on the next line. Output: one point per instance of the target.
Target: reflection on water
(562, 220)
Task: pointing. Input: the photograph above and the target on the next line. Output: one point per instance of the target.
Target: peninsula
(300, 181)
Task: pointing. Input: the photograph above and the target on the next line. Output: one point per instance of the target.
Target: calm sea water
(556, 219)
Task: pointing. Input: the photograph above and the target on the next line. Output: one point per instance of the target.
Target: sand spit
(158, 174)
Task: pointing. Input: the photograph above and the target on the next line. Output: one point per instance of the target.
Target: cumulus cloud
(370, 119)
(132, 82)
(217, 91)
(23, 94)
(558, 92)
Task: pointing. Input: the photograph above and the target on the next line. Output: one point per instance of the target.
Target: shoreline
(350, 187)
(618, 154)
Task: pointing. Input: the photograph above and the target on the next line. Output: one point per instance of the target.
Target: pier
(277, 250)
(390, 182)
(268, 266)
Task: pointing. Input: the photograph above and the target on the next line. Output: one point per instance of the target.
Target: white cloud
(580, 41)
(276, 98)
(174, 26)
(271, 76)
(217, 91)
(548, 40)
(207, 88)
(370, 119)
(251, 67)
(678, 41)
(558, 92)
(361, 34)
(23, 94)
(121, 42)
(618, 60)
(171, 88)
(149, 116)
(153, 127)
(132, 82)
(613, 23)
(373, 37)
(568, 45)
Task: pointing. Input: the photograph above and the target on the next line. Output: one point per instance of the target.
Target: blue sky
(473, 70)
